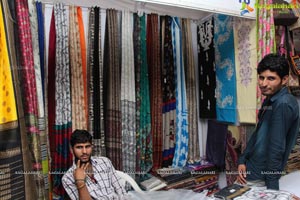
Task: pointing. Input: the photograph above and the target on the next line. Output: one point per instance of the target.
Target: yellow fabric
(8, 111)
(245, 33)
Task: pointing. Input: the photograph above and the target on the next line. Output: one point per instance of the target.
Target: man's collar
(282, 91)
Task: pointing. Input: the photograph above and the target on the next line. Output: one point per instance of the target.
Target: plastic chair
(126, 178)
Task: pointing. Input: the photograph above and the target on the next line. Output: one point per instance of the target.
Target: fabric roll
(182, 134)
(225, 69)
(112, 89)
(246, 60)
(154, 66)
(206, 69)
(189, 68)
(143, 117)
(60, 151)
(168, 92)
(128, 107)
(77, 83)
(29, 90)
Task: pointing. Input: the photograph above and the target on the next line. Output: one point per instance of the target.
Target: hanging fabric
(182, 135)
(216, 143)
(207, 69)
(112, 89)
(14, 152)
(143, 117)
(128, 107)
(77, 83)
(190, 77)
(245, 59)
(168, 91)
(95, 77)
(153, 61)
(265, 36)
(225, 69)
(29, 91)
(60, 151)
(41, 38)
(39, 90)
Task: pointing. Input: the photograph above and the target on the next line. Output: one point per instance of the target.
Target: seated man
(90, 177)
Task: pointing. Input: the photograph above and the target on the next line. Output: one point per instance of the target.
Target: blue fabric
(182, 137)
(40, 18)
(225, 69)
(270, 145)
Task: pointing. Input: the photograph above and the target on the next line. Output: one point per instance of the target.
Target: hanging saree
(168, 90)
(143, 117)
(112, 89)
(153, 61)
(61, 126)
(128, 109)
(190, 77)
(245, 59)
(225, 69)
(39, 90)
(77, 79)
(29, 91)
(206, 69)
(182, 135)
(14, 151)
(95, 82)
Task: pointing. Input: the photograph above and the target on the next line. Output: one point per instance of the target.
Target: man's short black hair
(80, 136)
(274, 63)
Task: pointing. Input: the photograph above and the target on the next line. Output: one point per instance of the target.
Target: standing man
(90, 177)
(268, 149)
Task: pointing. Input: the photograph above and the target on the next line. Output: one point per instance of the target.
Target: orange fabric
(83, 57)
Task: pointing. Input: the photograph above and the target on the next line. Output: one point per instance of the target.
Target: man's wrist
(80, 186)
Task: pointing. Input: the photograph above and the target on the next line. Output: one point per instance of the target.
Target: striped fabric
(153, 61)
(190, 77)
(112, 89)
